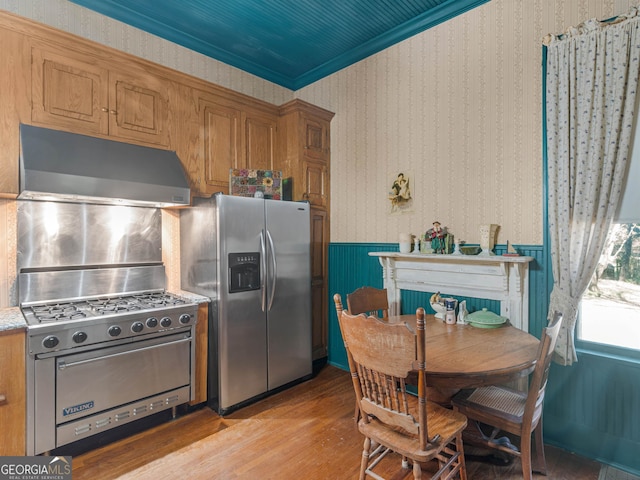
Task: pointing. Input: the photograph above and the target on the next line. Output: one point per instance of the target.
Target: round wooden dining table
(463, 356)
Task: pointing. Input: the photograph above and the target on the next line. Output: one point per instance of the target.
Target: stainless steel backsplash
(58, 235)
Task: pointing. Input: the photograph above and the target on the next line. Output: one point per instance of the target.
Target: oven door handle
(63, 365)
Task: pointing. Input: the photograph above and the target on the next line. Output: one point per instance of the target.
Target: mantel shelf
(436, 257)
(493, 277)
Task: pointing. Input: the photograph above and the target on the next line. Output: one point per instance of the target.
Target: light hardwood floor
(304, 432)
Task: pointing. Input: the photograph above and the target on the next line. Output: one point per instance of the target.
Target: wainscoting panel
(591, 408)
(350, 267)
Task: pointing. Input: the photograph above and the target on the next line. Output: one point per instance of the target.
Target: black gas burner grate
(85, 308)
(57, 312)
(114, 305)
(130, 303)
(157, 300)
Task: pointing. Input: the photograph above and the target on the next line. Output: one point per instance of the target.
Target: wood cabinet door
(260, 135)
(316, 138)
(316, 182)
(319, 281)
(69, 93)
(13, 404)
(15, 105)
(72, 92)
(221, 144)
(139, 108)
(202, 347)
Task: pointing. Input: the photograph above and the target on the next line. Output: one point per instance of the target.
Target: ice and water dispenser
(244, 271)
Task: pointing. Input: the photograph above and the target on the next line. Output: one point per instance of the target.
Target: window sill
(609, 352)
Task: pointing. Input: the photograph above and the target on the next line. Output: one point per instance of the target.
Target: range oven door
(81, 394)
(91, 382)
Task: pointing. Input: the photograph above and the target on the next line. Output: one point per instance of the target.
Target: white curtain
(591, 81)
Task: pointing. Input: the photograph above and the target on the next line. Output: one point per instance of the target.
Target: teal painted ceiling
(289, 42)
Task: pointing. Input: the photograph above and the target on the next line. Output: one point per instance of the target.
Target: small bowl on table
(439, 309)
(470, 250)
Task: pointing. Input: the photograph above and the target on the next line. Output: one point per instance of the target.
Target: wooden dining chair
(381, 356)
(369, 300)
(511, 411)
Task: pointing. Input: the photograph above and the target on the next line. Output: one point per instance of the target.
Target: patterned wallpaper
(456, 108)
(459, 107)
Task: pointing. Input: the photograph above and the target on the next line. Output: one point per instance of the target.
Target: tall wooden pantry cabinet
(303, 130)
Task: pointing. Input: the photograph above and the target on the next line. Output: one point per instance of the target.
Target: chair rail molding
(495, 277)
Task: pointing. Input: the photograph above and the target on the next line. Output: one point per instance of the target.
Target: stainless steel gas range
(106, 344)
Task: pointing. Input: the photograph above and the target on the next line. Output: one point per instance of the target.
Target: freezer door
(288, 292)
(242, 327)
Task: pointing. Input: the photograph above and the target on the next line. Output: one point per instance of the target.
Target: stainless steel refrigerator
(251, 256)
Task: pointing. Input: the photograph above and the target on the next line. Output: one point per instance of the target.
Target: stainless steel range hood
(69, 167)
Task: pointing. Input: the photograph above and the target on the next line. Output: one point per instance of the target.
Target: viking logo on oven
(78, 408)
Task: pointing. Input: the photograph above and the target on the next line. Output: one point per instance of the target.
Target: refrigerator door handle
(263, 265)
(274, 275)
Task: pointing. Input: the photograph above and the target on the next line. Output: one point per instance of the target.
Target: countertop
(194, 297)
(11, 317)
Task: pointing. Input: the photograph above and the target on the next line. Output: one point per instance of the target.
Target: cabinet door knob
(3, 399)
(113, 112)
(104, 109)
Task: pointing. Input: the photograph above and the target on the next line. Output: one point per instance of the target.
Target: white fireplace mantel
(494, 277)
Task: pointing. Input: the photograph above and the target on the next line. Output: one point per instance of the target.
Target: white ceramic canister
(405, 240)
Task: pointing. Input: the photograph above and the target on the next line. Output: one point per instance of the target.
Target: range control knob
(79, 337)
(185, 318)
(137, 327)
(152, 322)
(50, 341)
(114, 331)
(165, 322)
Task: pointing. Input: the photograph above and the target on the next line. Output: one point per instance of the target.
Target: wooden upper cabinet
(138, 108)
(220, 141)
(76, 93)
(15, 106)
(316, 182)
(316, 138)
(69, 93)
(304, 136)
(260, 137)
(315, 160)
(232, 135)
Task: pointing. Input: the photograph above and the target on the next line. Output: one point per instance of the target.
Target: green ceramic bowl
(470, 250)
(485, 319)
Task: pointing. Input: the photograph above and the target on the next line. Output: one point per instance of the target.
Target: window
(610, 307)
